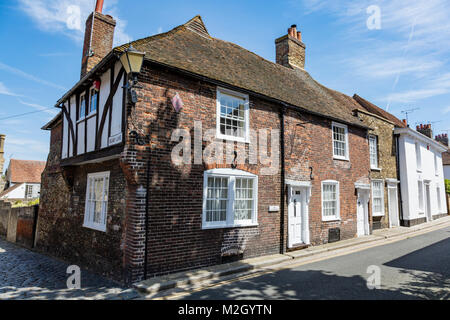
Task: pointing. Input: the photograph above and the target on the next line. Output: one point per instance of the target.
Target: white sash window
(378, 198)
(330, 201)
(340, 141)
(96, 201)
(229, 199)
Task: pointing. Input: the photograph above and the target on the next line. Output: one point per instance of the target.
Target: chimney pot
(299, 36)
(99, 6)
(405, 122)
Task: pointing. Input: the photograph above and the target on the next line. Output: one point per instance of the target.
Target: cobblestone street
(28, 275)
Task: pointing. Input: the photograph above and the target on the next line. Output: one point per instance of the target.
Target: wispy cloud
(68, 16)
(5, 91)
(28, 76)
(446, 110)
(411, 49)
(38, 107)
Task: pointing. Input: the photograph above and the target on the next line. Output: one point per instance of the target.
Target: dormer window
(94, 101)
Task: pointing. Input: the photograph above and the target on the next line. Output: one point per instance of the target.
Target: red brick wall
(176, 240)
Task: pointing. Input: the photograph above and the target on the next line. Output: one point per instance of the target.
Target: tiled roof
(25, 171)
(370, 107)
(446, 158)
(190, 48)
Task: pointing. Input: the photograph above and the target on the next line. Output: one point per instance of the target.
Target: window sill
(341, 159)
(231, 138)
(376, 169)
(231, 227)
(94, 227)
(378, 215)
(331, 219)
(419, 170)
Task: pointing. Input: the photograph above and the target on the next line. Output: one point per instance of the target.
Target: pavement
(25, 274)
(183, 283)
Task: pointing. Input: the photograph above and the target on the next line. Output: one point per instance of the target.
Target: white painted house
(421, 177)
(446, 162)
(23, 180)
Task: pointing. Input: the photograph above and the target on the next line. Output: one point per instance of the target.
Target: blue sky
(402, 65)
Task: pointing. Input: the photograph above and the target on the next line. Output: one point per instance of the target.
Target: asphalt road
(416, 268)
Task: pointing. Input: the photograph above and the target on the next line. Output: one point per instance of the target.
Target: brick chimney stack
(425, 130)
(290, 50)
(98, 38)
(442, 138)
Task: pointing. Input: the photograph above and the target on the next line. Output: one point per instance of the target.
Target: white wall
(20, 192)
(410, 175)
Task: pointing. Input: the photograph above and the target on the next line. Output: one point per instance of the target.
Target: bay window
(229, 199)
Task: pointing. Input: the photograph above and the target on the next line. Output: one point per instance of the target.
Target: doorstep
(235, 269)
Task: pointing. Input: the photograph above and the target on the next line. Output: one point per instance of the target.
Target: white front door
(394, 218)
(362, 213)
(295, 218)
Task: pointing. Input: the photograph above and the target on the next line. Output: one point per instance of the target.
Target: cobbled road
(25, 274)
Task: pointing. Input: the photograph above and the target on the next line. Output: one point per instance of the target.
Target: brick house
(385, 210)
(113, 198)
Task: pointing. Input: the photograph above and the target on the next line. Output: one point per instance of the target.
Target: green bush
(447, 186)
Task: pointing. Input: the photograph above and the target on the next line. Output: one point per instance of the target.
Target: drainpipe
(147, 200)
(397, 158)
(283, 183)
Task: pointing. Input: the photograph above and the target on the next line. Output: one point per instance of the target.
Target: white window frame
(383, 210)
(347, 147)
(230, 222)
(83, 97)
(88, 222)
(29, 189)
(436, 165)
(337, 217)
(418, 156)
(420, 196)
(227, 92)
(90, 101)
(374, 139)
(439, 199)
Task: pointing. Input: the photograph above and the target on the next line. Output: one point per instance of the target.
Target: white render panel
(91, 128)
(105, 88)
(18, 193)
(116, 120)
(65, 136)
(73, 117)
(81, 137)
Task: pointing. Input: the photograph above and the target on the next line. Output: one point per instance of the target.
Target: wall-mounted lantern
(132, 61)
